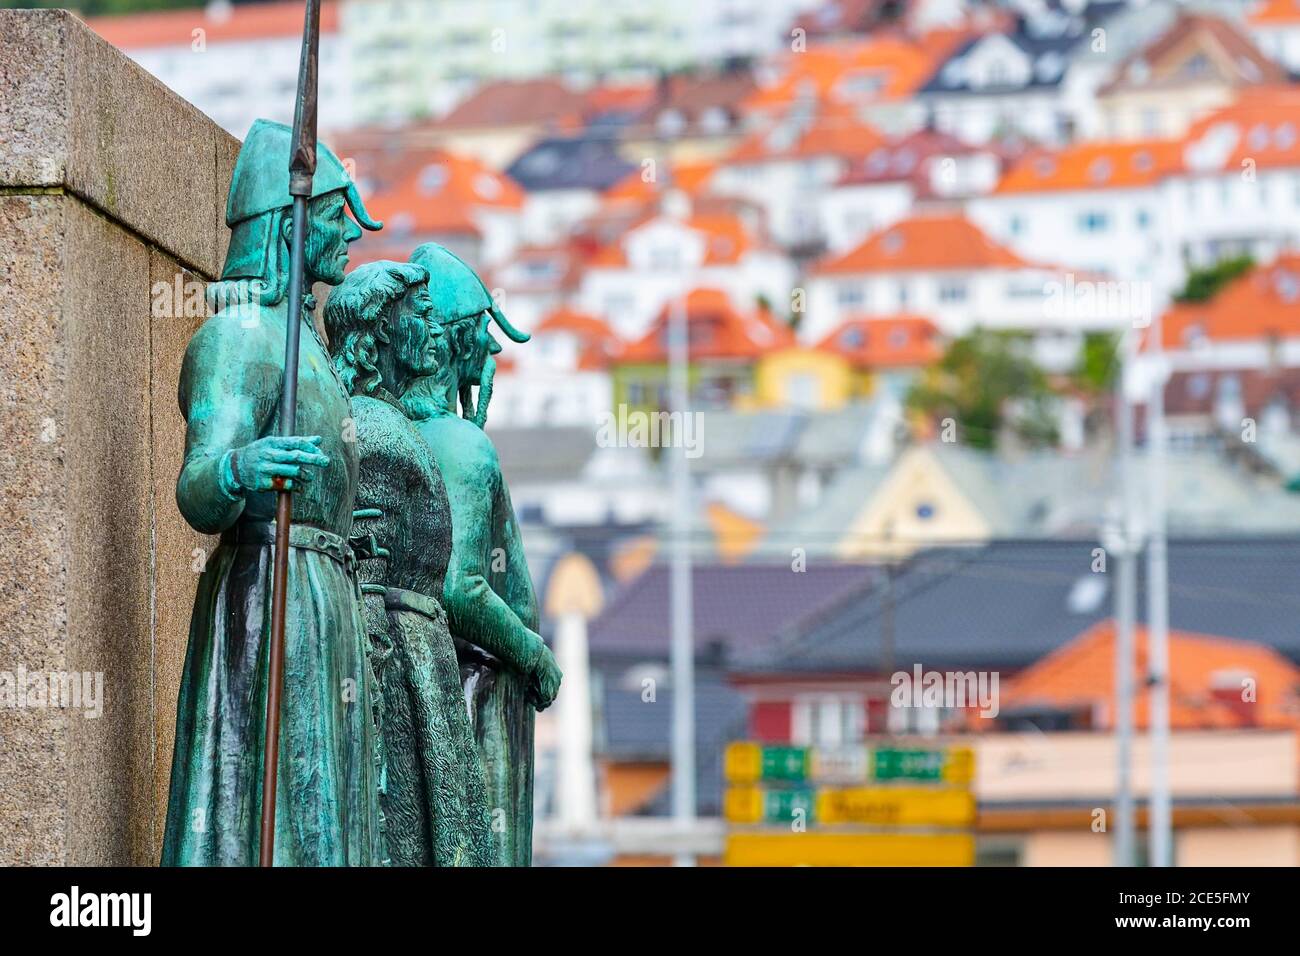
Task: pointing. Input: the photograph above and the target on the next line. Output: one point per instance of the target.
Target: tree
(1202, 284)
(982, 377)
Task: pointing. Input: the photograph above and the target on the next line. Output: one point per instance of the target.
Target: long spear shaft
(302, 167)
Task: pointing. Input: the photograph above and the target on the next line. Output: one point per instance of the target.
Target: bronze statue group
(413, 663)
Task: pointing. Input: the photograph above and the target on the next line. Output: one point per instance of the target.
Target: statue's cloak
(434, 792)
(327, 805)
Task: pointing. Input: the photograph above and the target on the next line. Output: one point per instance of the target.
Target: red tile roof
(717, 330)
(248, 21)
(1206, 676)
(1263, 304)
(888, 341)
(598, 343)
(1269, 13)
(1098, 165)
(937, 242)
(1239, 61)
(825, 131)
(541, 102)
(443, 193)
(726, 236)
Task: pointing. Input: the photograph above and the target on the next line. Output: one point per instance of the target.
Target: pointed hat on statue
(261, 178)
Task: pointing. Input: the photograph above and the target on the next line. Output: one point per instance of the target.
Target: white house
(885, 185)
(237, 63)
(559, 377)
(943, 267)
(671, 252)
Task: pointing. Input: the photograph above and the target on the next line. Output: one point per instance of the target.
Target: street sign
(877, 806)
(754, 763)
(831, 848)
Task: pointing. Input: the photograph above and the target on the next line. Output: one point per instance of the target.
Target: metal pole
(1159, 820)
(302, 167)
(680, 595)
(1125, 611)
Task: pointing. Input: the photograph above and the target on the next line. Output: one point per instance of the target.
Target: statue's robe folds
(490, 601)
(327, 803)
(434, 792)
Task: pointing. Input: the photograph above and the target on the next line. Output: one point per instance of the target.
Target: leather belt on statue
(259, 533)
(400, 599)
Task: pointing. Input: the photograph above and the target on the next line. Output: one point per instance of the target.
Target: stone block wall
(111, 187)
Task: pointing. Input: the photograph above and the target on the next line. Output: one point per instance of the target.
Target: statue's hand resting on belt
(257, 465)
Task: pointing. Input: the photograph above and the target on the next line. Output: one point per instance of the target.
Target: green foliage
(1202, 284)
(1098, 362)
(981, 375)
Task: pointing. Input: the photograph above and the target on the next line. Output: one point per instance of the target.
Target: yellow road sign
(880, 806)
(898, 806)
(831, 848)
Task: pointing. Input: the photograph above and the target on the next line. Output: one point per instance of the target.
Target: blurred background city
(870, 341)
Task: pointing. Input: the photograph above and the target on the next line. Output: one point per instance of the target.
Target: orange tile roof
(1260, 305)
(726, 236)
(597, 342)
(1260, 126)
(542, 102)
(826, 131)
(1205, 680)
(717, 330)
(879, 68)
(1099, 165)
(443, 193)
(1274, 13)
(887, 341)
(242, 22)
(937, 242)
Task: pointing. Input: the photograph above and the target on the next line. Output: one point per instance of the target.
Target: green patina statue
(230, 384)
(506, 668)
(434, 793)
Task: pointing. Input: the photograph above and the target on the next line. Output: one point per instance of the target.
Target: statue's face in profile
(329, 231)
(482, 345)
(415, 337)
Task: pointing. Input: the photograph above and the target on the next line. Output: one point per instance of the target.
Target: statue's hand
(546, 679)
(257, 465)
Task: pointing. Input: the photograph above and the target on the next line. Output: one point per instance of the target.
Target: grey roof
(753, 438)
(1049, 45)
(577, 162)
(736, 607)
(543, 454)
(634, 729)
(1006, 604)
(1044, 494)
(819, 529)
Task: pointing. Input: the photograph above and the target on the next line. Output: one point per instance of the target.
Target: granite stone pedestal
(112, 189)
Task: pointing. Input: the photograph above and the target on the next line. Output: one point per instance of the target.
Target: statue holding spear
(276, 747)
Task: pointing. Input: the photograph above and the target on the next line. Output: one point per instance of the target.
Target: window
(1143, 219)
(849, 295)
(1015, 225)
(952, 290)
(1093, 221)
(827, 720)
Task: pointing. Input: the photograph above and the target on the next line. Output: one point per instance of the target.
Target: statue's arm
(227, 401)
(518, 587)
(476, 611)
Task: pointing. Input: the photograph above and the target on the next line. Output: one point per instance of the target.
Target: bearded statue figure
(328, 806)
(433, 789)
(507, 670)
